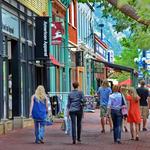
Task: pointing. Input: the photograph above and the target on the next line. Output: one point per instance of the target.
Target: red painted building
(72, 29)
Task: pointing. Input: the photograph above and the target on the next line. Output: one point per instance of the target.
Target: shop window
(23, 53)
(73, 14)
(4, 53)
(79, 58)
(22, 28)
(30, 53)
(23, 89)
(30, 32)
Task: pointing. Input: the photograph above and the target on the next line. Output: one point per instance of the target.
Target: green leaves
(126, 58)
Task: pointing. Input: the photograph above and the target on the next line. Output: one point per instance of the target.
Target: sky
(110, 36)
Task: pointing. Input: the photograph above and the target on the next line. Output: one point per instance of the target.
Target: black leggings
(76, 115)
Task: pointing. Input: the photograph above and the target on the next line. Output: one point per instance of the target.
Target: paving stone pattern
(55, 139)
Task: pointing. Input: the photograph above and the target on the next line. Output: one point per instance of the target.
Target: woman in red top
(134, 116)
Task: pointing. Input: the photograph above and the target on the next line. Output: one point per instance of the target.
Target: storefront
(99, 70)
(17, 62)
(58, 50)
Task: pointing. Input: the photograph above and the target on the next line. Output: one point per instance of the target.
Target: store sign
(99, 50)
(110, 56)
(40, 7)
(57, 33)
(100, 47)
(42, 38)
(148, 60)
(147, 57)
(10, 24)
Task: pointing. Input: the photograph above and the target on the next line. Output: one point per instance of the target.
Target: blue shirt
(115, 101)
(75, 98)
(104, 95)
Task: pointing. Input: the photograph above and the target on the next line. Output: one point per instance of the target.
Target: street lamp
(101, 26)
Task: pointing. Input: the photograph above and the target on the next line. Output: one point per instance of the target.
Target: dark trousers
(76, 118)
(117, 124)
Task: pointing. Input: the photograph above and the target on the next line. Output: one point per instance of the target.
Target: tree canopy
(133, 15)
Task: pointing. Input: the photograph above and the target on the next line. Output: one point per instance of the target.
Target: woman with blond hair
(134, 117)
(123, 91)
(38, 111)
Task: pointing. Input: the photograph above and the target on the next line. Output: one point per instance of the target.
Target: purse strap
(123, 102)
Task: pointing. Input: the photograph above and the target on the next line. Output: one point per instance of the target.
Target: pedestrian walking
(75, 110)
(123, 91)
(103, 92)
(143, 93)
(134, 117)
(114, 108)
(38, 111)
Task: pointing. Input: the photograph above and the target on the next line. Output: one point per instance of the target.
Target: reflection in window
(22, 28)
(23, 51)
(30, 32)
(30, 53)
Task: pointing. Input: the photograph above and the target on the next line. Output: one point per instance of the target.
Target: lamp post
(101, 27)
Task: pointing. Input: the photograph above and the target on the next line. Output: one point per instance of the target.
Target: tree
(130, 51)
(139, 32)
(126, 58)
(133, 15)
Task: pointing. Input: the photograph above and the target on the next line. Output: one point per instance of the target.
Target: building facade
(17, 59)
(73, 39)
(85, 45)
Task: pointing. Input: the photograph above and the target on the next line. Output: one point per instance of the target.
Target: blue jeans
(117, 124)
(39, 130)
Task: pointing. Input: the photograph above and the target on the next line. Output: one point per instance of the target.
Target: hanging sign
(42, 38)
(57, 33)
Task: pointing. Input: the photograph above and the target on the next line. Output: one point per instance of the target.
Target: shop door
(39, 76)
(8, 73)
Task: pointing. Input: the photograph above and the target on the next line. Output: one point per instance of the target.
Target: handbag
(124, 109)
(48, 121)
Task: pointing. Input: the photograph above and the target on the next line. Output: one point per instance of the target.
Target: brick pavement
(55, 139)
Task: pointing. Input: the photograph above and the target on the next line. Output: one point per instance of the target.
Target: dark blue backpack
(39, 110)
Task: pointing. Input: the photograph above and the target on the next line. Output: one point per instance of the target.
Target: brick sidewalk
(55, 139)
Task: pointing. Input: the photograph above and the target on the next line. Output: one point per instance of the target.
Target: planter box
(1, 128)
(27, 122)
(17, 122)
(8, 126)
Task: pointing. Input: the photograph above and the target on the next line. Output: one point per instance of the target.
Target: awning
(53, 60)
(115, 66)
(126, 82)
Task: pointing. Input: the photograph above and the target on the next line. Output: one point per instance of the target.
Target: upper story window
(23, 28)
(73, 13)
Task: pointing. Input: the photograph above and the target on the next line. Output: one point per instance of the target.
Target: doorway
(9, 46)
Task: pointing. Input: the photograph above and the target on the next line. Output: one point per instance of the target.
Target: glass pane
(23, 51)
(23, 90)
(30, 32)
(22, 28)
(5, 88)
